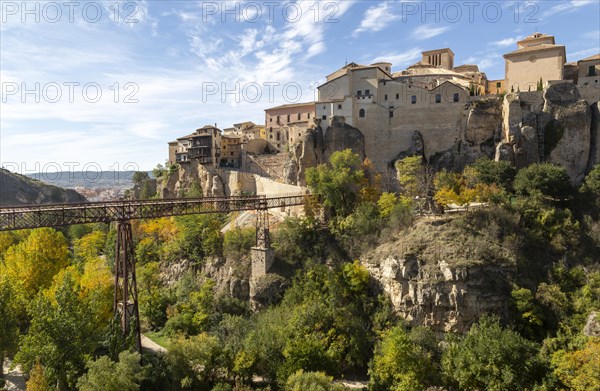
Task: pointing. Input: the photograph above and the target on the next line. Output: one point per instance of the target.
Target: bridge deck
(56, 215)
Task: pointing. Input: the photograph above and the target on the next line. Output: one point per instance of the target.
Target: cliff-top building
(537, 58)
(204, 146)
(285, 123)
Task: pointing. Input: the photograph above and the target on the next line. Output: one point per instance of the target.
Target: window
(278, 136)
(324, 117)
(397, 96)
(385, 97)
(299, 134)
(288, 118)
(498, 84)
(592, 70)
(361, 113)
(231, 153)
(271, 129)
(299, 116)
(270, 119)
(391, 112)
(438, 98)
(358, 93)
(456, 96)
(413, 99)
(339, 107)
(277, 118)
(308, 115)
(367, 92)
(271, 136)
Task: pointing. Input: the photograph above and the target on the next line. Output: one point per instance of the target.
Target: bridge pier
(262, 254)
(125, 297)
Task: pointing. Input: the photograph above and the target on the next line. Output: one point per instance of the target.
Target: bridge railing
(56, 215)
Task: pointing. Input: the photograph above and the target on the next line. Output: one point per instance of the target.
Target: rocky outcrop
(554, 125)
(17, 189)
(192, 176)
(592, 326)
(340, 136)
(315, 148)
(568, 135)
(441, 276)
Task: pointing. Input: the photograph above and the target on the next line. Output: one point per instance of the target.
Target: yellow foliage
(37, 380)
(579, 370)
(90, 245)
(163, 229)
(35, 261)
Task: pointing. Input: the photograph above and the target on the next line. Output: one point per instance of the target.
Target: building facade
(589, 71)
(537, 58)
(284, 123)
(204, 146)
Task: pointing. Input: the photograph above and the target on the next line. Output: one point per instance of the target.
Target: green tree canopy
(545, 180)
(107, 375)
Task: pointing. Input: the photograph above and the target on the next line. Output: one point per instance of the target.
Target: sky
(105, 85)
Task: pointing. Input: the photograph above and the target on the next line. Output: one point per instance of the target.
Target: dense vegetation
(327, 318)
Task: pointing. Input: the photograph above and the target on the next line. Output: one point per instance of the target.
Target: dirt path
(15, 379)
(149, 344)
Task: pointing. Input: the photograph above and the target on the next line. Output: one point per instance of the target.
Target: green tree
(398, 363)
(62, 333)
(579, 370)
(105, 374)
(311, 381)
(491, 358)
(543, 180)
(9, 332)
(195, 361)
(337, 183)
(491, 172)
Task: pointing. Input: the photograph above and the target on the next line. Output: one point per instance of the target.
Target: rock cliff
(443, 276)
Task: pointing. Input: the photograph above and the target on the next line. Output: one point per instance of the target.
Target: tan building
(496, 86)
(537, 57)
(204, 145)
(589, 71)
(281, 120)
(231, 151)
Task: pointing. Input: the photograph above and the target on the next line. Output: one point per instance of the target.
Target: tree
(62, 333)
(491, 358)
(398, 364)
(338, 182)
(311, 381)
(579, 370)
(9, 332)
(89, 246)
(195, 361)
(543, 180)
(37, 380)
(491, 172)
(33, 262)
(105, 374)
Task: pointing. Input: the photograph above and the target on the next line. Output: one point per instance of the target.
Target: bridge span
(122, 212)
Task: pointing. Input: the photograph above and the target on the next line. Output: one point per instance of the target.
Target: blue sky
(117, 80)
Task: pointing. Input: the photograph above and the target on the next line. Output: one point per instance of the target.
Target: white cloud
(507, 41)
(567, 7)
(400, 60)
(424, 32)
(581, 54)
(376, 18)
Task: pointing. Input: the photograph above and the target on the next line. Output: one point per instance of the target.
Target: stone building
(204, 145)
(231, 150)
(363, 93)
(589, 71)
(284, 123)
(537, 58)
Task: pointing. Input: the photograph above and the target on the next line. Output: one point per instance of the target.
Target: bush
(237, 242)
(311, 381)
(545, 180)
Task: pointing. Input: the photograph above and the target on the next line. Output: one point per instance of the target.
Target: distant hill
(16, 189)
(88, 179)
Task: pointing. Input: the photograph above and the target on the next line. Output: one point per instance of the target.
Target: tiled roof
(291, 105)
(594, 57)
(535, 48)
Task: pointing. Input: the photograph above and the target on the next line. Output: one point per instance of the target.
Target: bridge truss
(122, 212)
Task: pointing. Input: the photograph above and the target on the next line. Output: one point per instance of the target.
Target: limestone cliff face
(189, 175)
(442, 281)
(315, 148)
(555, 125)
